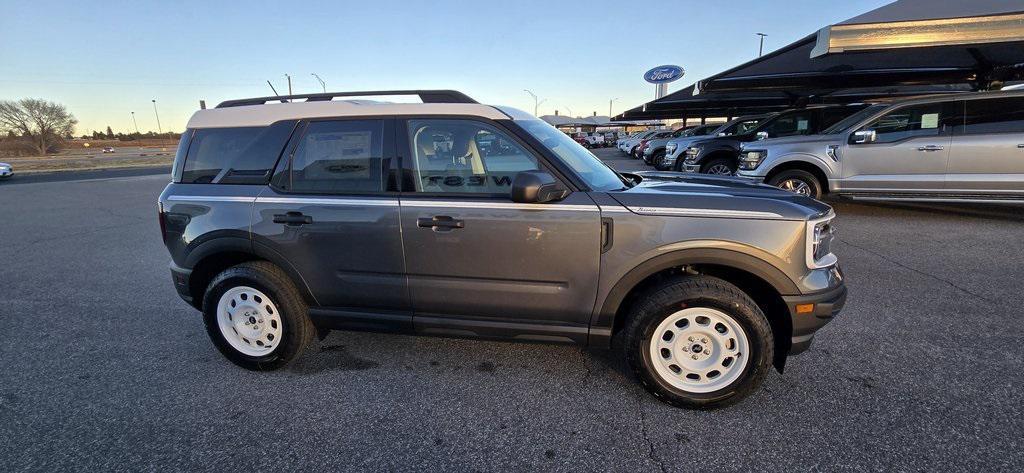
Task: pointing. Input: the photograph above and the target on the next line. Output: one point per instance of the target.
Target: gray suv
(287, 220)
(937, 148)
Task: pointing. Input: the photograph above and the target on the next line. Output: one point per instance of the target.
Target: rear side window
(342, 156)
(244, 155)
(1000, 115)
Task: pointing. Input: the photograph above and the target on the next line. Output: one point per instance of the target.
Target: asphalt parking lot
(104, 368)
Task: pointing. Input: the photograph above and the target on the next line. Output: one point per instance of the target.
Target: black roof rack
(427, 96)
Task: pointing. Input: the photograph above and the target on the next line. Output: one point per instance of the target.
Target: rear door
(988, 148)
(476, 259)
(909, 153)
(332, 212)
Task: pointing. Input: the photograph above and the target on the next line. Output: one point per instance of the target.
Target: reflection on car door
(909, 154)
(988, 148)
(474, 257)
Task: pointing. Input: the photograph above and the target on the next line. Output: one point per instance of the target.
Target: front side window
(460, 156)
(998, 115)
(908, 122)
(343, 156)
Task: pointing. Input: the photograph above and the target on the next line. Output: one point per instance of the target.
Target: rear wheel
(719, 167)
(698, 342)
(256, 317)
(798, 181)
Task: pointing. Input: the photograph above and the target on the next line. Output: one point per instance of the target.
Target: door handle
(440, 223)
(293, 219)
(930, 148)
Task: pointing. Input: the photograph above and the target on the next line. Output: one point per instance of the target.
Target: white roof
(262, 115)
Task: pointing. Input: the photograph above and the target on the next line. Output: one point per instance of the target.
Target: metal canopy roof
(909, 47)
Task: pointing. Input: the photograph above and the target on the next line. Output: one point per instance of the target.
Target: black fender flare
(237, 244)
(603, 322)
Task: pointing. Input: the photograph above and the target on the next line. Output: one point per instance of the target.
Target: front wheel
(797, 181)
(256, 317)
(659, 159)
(698, 342)
(719, 167)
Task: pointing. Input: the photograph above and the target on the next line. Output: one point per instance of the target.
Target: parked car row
(930, 148)
(596, 139)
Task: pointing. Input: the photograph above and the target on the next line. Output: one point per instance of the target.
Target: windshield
(738, 127)
(593, 171)
(844, 124)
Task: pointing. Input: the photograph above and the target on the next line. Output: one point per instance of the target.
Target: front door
(332, 212)
(909, 153)
(473, 256)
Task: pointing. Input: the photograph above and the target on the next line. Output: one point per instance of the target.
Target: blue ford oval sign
(664, 74)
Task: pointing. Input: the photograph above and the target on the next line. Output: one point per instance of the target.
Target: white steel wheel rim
(796, 186)
(720, 170)
(249, 321)
(699, 350)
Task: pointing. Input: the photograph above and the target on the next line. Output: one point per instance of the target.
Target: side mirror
(537, 187)
(863, 136)
(722, 133)
(762, 135)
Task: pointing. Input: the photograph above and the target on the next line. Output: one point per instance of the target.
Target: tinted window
(235, 155)
(908, 122)
(832, 115)
(1001, 115)
(339, 157)
(790, 124)
(465, 156)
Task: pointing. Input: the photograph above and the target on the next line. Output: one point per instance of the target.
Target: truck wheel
(698, 342)
(256, 317)
(658, 158)
(720, 167)
(799, 181)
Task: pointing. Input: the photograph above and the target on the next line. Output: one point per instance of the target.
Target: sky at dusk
(105, 60)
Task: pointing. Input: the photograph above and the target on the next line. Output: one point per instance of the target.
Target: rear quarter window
(244, 155)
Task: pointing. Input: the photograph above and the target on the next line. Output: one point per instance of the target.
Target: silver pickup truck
(964, 147)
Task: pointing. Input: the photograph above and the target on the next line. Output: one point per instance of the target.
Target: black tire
(297, 330)
(712, 163)
(669, 297)
(812, 182)
(658, 158)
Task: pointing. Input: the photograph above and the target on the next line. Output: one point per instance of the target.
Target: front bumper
(6, 174)
(754, 179)
(824, 306)
(690, 167)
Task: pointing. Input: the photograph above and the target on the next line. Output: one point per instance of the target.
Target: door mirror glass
(863, 136)
(762, 135)
(537, 187)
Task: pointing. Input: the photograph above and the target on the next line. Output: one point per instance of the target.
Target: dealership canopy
(908, 47)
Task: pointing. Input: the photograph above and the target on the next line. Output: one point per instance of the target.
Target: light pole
(289, 83)
(536, 103)
(322, 83)
(610, 102)
(760, 49)
(571, 115)
(159, 130)
(136, 123)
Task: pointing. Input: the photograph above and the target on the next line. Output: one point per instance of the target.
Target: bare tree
(41, 121)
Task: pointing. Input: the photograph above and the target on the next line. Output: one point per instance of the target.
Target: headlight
(820, 233)
(691, 155)
(750, 160)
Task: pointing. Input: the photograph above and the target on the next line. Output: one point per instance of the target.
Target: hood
(715, 196)
(685, 141)
(789, 140)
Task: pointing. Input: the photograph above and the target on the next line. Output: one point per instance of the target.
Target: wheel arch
(214, 256)
(759, 279)
(804, 163)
